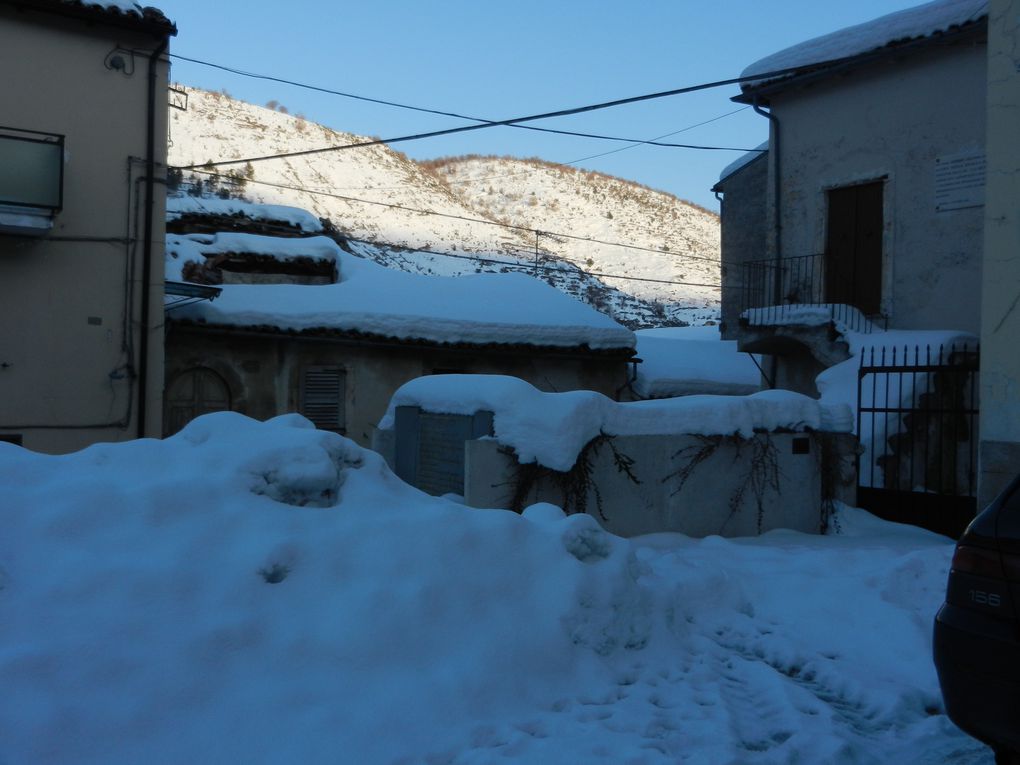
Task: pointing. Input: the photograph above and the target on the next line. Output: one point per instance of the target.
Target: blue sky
(498, 60)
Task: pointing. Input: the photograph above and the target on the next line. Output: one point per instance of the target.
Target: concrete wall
(263, 371)
(70, 310)
(1000, 326)
(744, 231)
(892, 121)
(718, 496)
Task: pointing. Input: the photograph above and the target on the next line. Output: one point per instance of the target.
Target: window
(31, 169)
(323, 389)
(31, 181)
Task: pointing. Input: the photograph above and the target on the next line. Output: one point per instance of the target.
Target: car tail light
(980, 562)
(978, 581)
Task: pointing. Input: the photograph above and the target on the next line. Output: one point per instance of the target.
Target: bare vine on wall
(573, 485)
(762, 472)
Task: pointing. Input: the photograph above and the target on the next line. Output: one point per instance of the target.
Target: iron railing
(917, 420)
(793, 291)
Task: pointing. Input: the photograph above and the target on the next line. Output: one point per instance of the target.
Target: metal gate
(917, 419)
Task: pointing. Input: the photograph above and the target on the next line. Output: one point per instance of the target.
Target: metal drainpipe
(777, 185)
(150, 193)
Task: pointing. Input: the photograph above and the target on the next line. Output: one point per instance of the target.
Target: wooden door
(853, 247)
(192, 393)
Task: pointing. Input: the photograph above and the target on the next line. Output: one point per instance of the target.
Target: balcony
(31, 180)
(803, 291)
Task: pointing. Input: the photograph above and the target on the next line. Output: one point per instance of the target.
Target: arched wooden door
(192, 393)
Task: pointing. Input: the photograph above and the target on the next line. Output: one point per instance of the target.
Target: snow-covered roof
(552, 428)
(903, 26)
(182, 249)
(213, 206)
(743, 160)
(479, 309)
(682, 361)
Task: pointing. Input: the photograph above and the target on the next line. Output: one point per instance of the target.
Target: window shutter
(322, 397)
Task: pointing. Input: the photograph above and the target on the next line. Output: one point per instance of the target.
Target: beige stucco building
(1000, 326)
(82, 158)
(868, 214)
(874, 196)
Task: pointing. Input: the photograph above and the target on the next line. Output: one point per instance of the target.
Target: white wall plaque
(959, 181)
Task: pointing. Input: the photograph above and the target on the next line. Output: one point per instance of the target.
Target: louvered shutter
(322, 397)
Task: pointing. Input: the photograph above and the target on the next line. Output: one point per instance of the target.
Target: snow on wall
(293, 216)
(477, 308)
(552, 428)
(921, 21)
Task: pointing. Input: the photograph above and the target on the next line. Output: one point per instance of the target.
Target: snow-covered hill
(399, 208)
(671, 239)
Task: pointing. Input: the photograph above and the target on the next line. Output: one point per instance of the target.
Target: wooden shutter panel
(322, 397)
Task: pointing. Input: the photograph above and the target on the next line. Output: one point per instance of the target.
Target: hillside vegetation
(466, 212)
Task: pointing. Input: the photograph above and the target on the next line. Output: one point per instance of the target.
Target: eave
(975, 32)
(151, 22)
(367, 339)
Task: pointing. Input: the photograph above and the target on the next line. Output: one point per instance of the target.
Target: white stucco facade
(891, 122)
(1000, 327)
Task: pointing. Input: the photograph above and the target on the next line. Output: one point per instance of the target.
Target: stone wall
(690, 484)
(262, 371)
(744, 230)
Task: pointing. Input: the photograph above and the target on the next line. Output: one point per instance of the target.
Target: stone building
(305, 325)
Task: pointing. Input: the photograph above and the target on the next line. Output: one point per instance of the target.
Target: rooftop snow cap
(922, 21)
(743, 161)
(478, 309)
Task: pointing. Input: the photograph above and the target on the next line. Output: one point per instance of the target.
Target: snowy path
(141, 621)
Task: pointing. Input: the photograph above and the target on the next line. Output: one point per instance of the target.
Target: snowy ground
(267, 593)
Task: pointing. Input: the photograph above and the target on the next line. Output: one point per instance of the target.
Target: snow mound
(552, 428)
(155, 609)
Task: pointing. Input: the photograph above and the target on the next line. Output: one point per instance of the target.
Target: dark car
(977, 630)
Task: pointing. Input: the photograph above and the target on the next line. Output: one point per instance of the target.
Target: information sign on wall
(959, 181)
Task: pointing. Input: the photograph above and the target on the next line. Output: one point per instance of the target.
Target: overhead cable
(512, 121)
(482, 121)
(576, 270)
(466, 218)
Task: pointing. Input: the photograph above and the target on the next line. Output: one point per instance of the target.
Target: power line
(465, 218)
(576, 270)
(481, 120)
(512, 121)
(450, 182)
